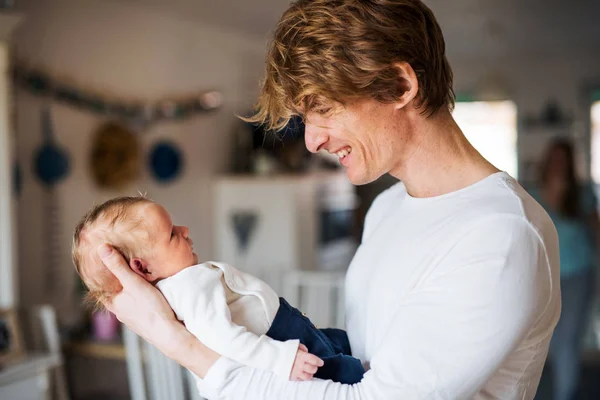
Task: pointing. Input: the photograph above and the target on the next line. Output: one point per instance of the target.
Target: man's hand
(139, 305)
(305, 365)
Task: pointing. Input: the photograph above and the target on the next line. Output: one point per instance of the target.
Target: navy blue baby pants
(330, 345)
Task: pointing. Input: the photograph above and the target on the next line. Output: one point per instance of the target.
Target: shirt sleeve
(198, 298)
(450, 334)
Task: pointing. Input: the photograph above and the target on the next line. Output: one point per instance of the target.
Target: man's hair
(112, 212)
(341, 50)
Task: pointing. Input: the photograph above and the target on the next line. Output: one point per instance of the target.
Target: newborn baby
(235, 314)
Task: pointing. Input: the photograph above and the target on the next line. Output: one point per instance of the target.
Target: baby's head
(142, 232)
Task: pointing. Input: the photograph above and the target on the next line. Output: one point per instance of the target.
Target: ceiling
(476, 27)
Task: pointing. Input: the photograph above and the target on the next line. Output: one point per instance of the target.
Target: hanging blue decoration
(165, 161)
(51, 161)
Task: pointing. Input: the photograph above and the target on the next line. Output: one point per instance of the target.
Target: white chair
(319, 294)
(46, 316)
(40, 375)
(153, 376)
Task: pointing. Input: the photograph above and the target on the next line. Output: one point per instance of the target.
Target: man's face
(365, 134)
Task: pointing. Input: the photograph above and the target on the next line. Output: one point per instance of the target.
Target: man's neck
(439, 159)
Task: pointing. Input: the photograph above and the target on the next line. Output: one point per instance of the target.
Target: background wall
(531, 82)
(526, 51)
(530, 53)
(134, 52)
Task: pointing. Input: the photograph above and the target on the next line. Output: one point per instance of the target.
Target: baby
(233, 313)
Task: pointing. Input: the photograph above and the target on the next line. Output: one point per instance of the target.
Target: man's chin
(360, 179)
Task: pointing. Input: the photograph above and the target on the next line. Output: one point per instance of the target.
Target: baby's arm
(198, 298)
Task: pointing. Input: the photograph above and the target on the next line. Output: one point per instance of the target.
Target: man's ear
(407, 82)
(140, 267)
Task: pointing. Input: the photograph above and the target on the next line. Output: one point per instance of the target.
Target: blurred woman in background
(572, 207)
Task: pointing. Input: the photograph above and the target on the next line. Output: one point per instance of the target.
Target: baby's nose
(185, 231)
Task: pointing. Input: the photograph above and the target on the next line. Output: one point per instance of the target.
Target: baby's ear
(140, 267)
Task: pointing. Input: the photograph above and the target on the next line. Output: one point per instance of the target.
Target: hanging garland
(138, 113)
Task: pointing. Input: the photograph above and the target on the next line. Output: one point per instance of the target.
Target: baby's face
(160, 249)
(170, 249)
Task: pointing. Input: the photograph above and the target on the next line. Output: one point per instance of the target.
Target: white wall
(131, 50)
(135, 52)
(8, 223)
(532, 81)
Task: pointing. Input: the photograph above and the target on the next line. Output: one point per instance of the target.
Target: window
(491, 127)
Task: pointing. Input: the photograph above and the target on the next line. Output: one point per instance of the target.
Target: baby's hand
(305, 365)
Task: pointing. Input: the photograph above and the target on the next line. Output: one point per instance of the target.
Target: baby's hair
(113, 211)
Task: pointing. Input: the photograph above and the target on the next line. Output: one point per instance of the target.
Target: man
(453, 293)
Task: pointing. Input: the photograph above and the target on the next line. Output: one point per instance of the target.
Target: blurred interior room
(106, 98)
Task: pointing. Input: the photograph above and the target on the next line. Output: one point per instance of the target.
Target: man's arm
(145, 311)
(450, 335)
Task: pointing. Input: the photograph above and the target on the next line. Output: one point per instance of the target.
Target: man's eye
(323, 111)
(173, 233)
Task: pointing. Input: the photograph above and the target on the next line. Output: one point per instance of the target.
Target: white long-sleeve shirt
(449, 297)
(230, 312)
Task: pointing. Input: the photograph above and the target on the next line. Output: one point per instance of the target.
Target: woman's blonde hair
(338, 50)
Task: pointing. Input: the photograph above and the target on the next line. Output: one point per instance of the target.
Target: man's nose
(314, 137)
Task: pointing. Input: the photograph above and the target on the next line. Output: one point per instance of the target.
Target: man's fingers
(313, 360)
(310, 369)
(113, 260)
(303, 347)
(305, 377)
